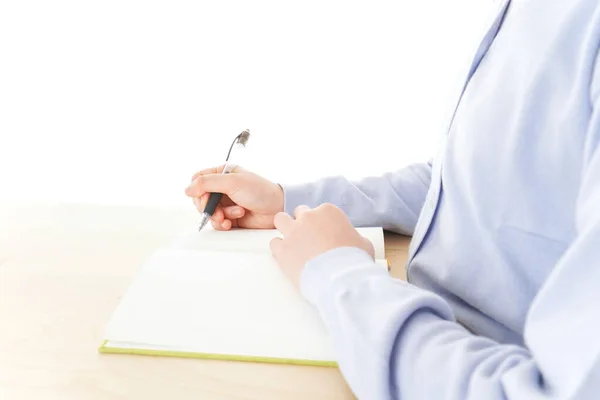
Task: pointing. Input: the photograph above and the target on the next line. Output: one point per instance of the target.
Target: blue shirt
(503, 292)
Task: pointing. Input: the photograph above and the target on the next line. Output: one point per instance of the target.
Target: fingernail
(236, 212)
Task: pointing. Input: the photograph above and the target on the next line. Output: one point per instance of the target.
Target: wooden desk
(63, 269)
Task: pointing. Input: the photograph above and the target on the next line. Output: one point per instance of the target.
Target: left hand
(312, 233)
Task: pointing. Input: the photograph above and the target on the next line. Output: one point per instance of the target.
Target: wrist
(296, 195)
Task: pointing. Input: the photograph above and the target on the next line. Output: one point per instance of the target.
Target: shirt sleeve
(392, 201)
(394, 340)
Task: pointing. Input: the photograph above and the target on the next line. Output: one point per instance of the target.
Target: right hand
(249, 200)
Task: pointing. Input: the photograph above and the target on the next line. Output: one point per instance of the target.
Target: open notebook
(221, 295)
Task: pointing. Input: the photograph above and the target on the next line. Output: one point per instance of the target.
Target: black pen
(239, 142)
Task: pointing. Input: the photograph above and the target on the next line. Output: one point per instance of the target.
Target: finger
(200, 202)
(216, 225)
(221, 226)
(298, 211)
(276, 246)
(226, 225)
(199, 206)
(204, 199)
(233, 212)
(220, 183)
(218, 215)
(214, 170)
(206, 171)
(283, 223)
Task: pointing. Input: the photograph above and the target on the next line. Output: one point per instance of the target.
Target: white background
(119, 102)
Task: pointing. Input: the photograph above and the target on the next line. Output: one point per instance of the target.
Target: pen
(239, 142)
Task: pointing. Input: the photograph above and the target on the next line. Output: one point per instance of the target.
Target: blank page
(219, 303)
(256, 240)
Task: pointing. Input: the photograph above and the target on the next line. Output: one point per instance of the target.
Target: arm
(392, 201)
(394, 340)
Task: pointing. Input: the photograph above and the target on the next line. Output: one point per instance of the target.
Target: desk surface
(63, 269)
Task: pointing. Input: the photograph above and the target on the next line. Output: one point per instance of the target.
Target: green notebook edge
(103, 349)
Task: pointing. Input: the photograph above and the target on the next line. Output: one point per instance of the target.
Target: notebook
(221, 295)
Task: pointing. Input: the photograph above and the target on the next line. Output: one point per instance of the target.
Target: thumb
(220, 183)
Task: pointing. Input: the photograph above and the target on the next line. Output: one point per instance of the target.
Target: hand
(249, 200)
(312, 233)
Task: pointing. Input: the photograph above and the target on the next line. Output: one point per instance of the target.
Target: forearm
(392, 201)
(394, 340)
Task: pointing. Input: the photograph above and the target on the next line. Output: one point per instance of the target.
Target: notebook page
(220, 303)
(255, 240)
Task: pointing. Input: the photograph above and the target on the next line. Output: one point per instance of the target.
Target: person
(503, 293)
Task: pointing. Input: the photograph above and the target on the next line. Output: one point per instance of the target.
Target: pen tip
(203, 222)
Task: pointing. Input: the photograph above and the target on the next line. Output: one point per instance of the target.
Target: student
(503, 299)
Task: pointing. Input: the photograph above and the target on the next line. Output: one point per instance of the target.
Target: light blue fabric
(503, 299)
